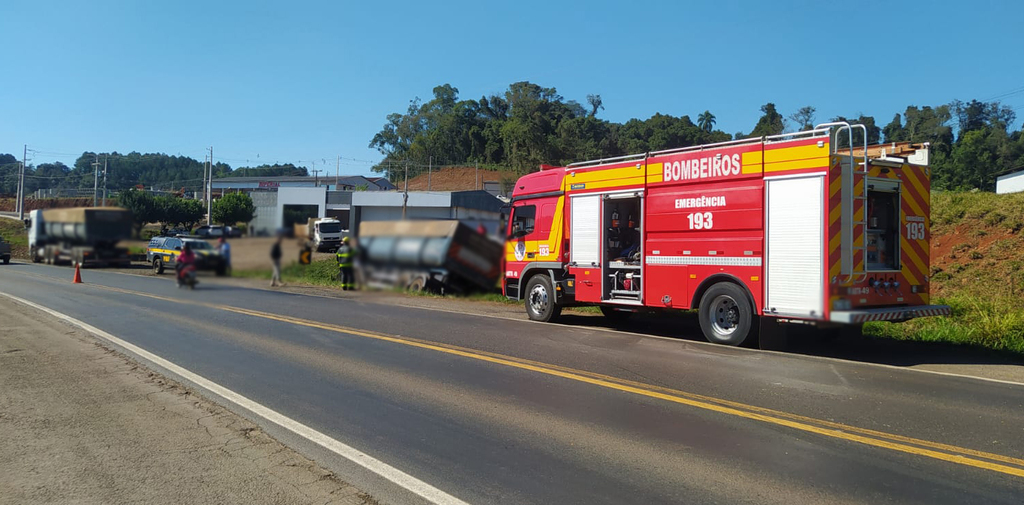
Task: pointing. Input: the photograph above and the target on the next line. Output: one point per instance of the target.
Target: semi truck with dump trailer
(87, 236)
(440, 256)
(797, 228)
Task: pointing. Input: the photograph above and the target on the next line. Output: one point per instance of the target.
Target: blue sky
(309, 81)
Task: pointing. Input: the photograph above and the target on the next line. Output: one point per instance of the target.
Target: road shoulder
(85, 424)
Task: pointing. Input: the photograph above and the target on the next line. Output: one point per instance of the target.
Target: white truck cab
(326, 233)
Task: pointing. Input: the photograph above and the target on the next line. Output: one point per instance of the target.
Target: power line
(1008, 93)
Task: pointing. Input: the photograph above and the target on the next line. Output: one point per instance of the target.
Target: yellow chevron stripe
(833, 187)
(921, 268)
(919, 192)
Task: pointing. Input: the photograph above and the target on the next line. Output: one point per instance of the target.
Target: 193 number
(701, 221)
(915, 231)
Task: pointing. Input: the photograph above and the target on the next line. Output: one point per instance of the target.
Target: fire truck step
(624, 292)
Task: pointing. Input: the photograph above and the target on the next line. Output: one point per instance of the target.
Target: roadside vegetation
(317, 273)
(14, 233)
(977, 268)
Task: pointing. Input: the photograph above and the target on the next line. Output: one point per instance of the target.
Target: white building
(1011, 182)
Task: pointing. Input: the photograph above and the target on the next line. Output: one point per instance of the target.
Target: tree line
(173, 211)
(529, 125)
(180, 174)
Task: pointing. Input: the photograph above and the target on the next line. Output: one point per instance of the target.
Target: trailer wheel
(7, 260)
(540, 299)
(615, 316)
(417, 284)
(158, 266)
(726, 316)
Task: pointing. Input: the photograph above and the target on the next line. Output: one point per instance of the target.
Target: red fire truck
(789, 228)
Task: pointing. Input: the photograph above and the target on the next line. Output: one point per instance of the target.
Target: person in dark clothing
(345, 257)
(275, 257)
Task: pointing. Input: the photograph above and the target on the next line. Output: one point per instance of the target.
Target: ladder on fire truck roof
(852, 173)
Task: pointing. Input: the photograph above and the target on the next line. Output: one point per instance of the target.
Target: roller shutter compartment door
(585, 245)
(795, 258)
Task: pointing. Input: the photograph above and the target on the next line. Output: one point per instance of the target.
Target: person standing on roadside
(345, 257)
(225, 253)
(275, 257)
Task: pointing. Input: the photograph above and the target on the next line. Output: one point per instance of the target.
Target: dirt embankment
(455, 179)
(9, 204)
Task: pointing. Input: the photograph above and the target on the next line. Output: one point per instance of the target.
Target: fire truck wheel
(725, 314)
(540, 299)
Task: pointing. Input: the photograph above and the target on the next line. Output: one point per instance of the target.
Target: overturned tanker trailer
(439, 256)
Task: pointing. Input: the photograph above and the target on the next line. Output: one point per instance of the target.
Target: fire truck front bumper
(888, 314)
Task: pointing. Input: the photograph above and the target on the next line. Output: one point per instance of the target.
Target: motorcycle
(187, 277)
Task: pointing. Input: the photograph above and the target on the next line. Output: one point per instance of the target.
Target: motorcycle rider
(186, 259)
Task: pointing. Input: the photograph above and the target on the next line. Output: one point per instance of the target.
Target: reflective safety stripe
(735, 261)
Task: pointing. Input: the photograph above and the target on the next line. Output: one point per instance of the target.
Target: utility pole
(337, 173)
(206, 159)
(95, 179)
(430, 162)
(104, 181)
(209, 192)
(316, 177)
(476, 171)
(21, 184)
(405, 197)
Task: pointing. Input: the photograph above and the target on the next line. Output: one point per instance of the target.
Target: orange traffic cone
(78, 274)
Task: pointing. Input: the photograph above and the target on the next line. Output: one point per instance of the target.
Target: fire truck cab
(797, 227)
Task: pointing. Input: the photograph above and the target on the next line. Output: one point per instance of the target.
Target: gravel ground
(83, 424)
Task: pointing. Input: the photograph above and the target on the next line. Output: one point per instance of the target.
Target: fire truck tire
(540, 299)
(726, 316)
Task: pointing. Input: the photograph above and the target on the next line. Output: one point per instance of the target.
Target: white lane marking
(388, 472)
(680, 340)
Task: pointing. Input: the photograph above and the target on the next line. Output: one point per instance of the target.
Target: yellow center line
(899, 443)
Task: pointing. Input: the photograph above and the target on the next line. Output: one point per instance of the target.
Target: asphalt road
(501, 411)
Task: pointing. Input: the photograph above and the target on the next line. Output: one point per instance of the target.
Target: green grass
(318, 273)
(14, 233)
(981, 277)
(1000, 212)
(996, 323)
